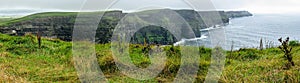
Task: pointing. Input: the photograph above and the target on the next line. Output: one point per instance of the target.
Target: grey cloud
(262, 5)
(41, 4)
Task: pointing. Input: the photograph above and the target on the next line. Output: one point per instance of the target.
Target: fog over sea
(246, 32)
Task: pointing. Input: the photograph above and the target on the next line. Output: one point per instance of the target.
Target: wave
(182, 41)
(211, 28)
(203, 36)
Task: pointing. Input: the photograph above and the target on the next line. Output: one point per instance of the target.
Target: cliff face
(60, 25)
(196, 21)
(52, 27)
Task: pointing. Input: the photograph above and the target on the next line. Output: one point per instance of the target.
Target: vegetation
(5, 19)
(34, 16)
(287, 51)
(153, 35)
(294, 43)
(22, 61)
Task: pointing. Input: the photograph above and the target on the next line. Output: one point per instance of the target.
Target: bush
(294, 43)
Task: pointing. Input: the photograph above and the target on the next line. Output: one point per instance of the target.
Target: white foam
(182, 41)
(203, 36)
(211, 28)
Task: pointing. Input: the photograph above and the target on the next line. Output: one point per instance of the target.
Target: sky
(254, 6)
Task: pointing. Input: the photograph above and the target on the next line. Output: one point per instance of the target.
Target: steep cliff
(60, 25)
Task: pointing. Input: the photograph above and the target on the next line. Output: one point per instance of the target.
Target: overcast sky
(255, 6)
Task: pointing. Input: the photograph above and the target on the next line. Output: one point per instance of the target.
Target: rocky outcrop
(61, 26)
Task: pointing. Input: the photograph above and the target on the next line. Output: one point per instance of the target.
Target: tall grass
(21, 61)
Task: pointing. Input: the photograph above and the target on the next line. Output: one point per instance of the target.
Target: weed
(287, 49)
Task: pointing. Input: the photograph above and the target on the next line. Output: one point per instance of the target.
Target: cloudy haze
(256, 6)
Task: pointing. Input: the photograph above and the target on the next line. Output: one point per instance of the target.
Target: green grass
(22, 61)
(7, 22)
(34, 16)
(5, 19)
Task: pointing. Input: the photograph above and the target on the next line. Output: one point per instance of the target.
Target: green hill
(5, 19)
(37, 15)
(22, 61)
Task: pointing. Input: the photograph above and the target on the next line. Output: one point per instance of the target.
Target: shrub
(294, 43)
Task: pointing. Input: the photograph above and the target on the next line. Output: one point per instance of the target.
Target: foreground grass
(22, 61)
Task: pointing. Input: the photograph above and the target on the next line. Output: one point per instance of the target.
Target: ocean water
(246, 32)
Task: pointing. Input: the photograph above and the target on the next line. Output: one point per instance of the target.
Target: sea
(247, 32)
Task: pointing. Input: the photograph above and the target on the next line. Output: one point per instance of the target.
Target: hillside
(5, 19)
(60, 25)
(22, 61)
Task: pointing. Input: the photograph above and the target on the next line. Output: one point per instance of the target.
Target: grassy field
(4, 19)
(6, 22)
(22, 61)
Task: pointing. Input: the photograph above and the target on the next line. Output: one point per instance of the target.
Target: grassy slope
(6, 22)
(21, 61)
(5, 19)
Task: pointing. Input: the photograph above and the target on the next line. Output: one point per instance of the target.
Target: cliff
(60, 24)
